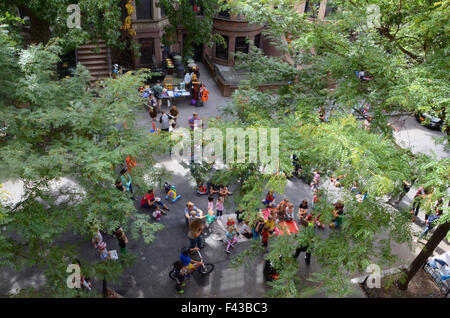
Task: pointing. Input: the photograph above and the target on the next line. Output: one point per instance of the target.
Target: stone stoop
(96, 58)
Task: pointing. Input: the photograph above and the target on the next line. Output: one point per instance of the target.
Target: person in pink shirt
(219, 207)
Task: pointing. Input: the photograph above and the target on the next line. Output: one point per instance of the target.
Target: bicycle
(203, 269)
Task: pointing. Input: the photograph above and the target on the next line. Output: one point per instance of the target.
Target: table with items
(167, 94)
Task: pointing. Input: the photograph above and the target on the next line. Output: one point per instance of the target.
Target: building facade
(148, 20)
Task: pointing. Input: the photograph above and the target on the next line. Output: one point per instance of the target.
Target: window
(241, 45)
(258, 41)
(163, 10)
(222, 52)
(147, 51)
(144, 9)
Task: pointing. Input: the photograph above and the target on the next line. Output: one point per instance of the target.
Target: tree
(56, 129)
(318, 54)
(48, 19)
(185, 14)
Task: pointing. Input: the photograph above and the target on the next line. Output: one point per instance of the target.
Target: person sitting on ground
(337, 181)
(97, 238)
(231, 238)
(289, 216)
(302, 212)
(157, 213)
(312, 220)
(149, 200)
(189, 265)
(201, 189)
(271, 222)
(126, 180)
(230, 221)
(102, 251)
(213, 188)
(338, 215)
(179, 274)
(270, 198)
(246, 230)
(223, 190)
(187, 212)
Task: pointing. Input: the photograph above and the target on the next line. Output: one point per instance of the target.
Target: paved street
(149, 277)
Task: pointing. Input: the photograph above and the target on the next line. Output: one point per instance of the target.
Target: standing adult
(123, 240)
(187, 211)
(417, 200)
(187, 80)
(173, 113)
(126, 180)
(195, 231)
(152, 107)
(164, 121)
(157, 90)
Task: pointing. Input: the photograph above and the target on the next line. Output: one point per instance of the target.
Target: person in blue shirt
(429, 224)
(189, 264)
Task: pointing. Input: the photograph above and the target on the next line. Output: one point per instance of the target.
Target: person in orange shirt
(131, 162)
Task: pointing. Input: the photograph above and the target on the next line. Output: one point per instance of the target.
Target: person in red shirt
(149, 200)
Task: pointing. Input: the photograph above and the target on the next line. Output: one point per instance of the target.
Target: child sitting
(247, 231)
(223, 191)
(201, 189)
(289, 216)
(157, 213)
(231, 238)
(230, 222)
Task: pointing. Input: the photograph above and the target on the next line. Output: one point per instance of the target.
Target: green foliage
(60, 131)
(48, 19)
(198, 30)
(407, 75)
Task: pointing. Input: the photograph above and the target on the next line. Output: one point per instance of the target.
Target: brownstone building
(149, 20)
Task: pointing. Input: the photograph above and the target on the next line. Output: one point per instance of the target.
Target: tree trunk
(438, 235)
